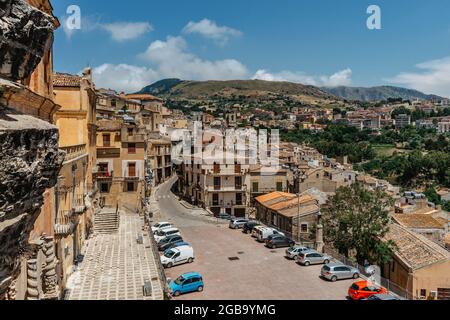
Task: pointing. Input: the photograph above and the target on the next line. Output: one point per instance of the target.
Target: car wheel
(274, 246)
(334, 278)
(307, 263)
(355, 276)
(326, 261)
(190, 260)
(291, 244)
(200, 289)
(169, 265)
(177, 293)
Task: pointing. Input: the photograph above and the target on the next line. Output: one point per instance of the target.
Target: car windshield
(355, 286)
(180, 280)
(168, 253)
(160, 233)
(326, 268)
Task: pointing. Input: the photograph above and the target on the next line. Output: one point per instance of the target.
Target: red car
(364, 289)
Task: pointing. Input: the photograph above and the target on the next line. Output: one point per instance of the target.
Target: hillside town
(97, 193)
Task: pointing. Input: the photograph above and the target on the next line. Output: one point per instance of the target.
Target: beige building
(120, 172)
(420, 266)
(159, 155)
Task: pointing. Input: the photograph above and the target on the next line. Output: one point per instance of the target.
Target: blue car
(188, 282)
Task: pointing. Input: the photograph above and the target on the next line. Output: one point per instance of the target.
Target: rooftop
(415, 250)
(66, 80)
(418, 221)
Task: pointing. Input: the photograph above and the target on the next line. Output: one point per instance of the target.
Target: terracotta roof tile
(66, 80)
(415, 250)
(418, 221)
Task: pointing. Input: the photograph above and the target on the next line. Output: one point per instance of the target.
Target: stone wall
(26, 34)
(29, 164)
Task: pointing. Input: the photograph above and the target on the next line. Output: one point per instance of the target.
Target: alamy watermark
(232, 146)
(73, 21)
(374, 20)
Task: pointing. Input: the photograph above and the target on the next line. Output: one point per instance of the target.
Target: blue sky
(322, 42)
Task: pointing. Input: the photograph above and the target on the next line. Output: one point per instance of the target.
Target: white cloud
(209, 29)
(433, 77)
(119, 31)
(340, 78)
(123, 31)
(172, 59)
(123, 77)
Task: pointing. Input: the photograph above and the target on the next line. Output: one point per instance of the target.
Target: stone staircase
(106, 221)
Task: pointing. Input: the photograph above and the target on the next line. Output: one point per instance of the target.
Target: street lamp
(297, 175)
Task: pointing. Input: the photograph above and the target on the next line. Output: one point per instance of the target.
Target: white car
(176, 256)
(263, 233)
(163, 233)
(161, 225)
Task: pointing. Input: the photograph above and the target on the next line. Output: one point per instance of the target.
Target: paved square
(115, 266)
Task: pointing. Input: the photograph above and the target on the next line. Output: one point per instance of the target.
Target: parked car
(161, 225)
(385, 297)
(364, 289)
(188, 282)
(248, 227)
(262, 233)
(312, 257)
(293, 252)
(177, 244)
(176, 256)
(165, 243)
(161, 234)
(225, 216)
(277, 241)
(336, 271)
(237, 223)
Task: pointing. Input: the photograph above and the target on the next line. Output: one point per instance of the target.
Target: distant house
(420, 266)
(424, 224)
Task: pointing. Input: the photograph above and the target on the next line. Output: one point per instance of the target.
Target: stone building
(75, 191)
(30, 159)
(420, 266)
(294, 215)
(120, 171)
(159, 156)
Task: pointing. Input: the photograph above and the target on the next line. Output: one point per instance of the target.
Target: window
(130, 131)
(132, 148)
(107, 140)
(104, 187)
(304, 228)
(393, 266)
(131, 169)
(255, 187)
(217, 183)
(215, 199)
(238, 199)
(238, 183)
(423, 292)
(279, 186)
(130, 187)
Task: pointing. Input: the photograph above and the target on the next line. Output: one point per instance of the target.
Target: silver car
(292, 252)
(336, 271)
(237, 223)
(312, 257)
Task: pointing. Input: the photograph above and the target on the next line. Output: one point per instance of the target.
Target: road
(258, 274)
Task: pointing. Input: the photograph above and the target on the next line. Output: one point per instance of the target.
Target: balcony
(107, 152)
(130, 175)
(74, 152)
(79, 206)
(65, 223)
(218, 188)
(132, 137)
(104, 175)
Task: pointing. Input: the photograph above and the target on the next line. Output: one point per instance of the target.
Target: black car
(277, 241)
(167, 242)
(248, 227)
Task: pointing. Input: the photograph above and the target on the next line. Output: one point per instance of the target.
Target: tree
(356, 221)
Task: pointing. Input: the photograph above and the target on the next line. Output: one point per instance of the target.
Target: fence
(389, 285)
